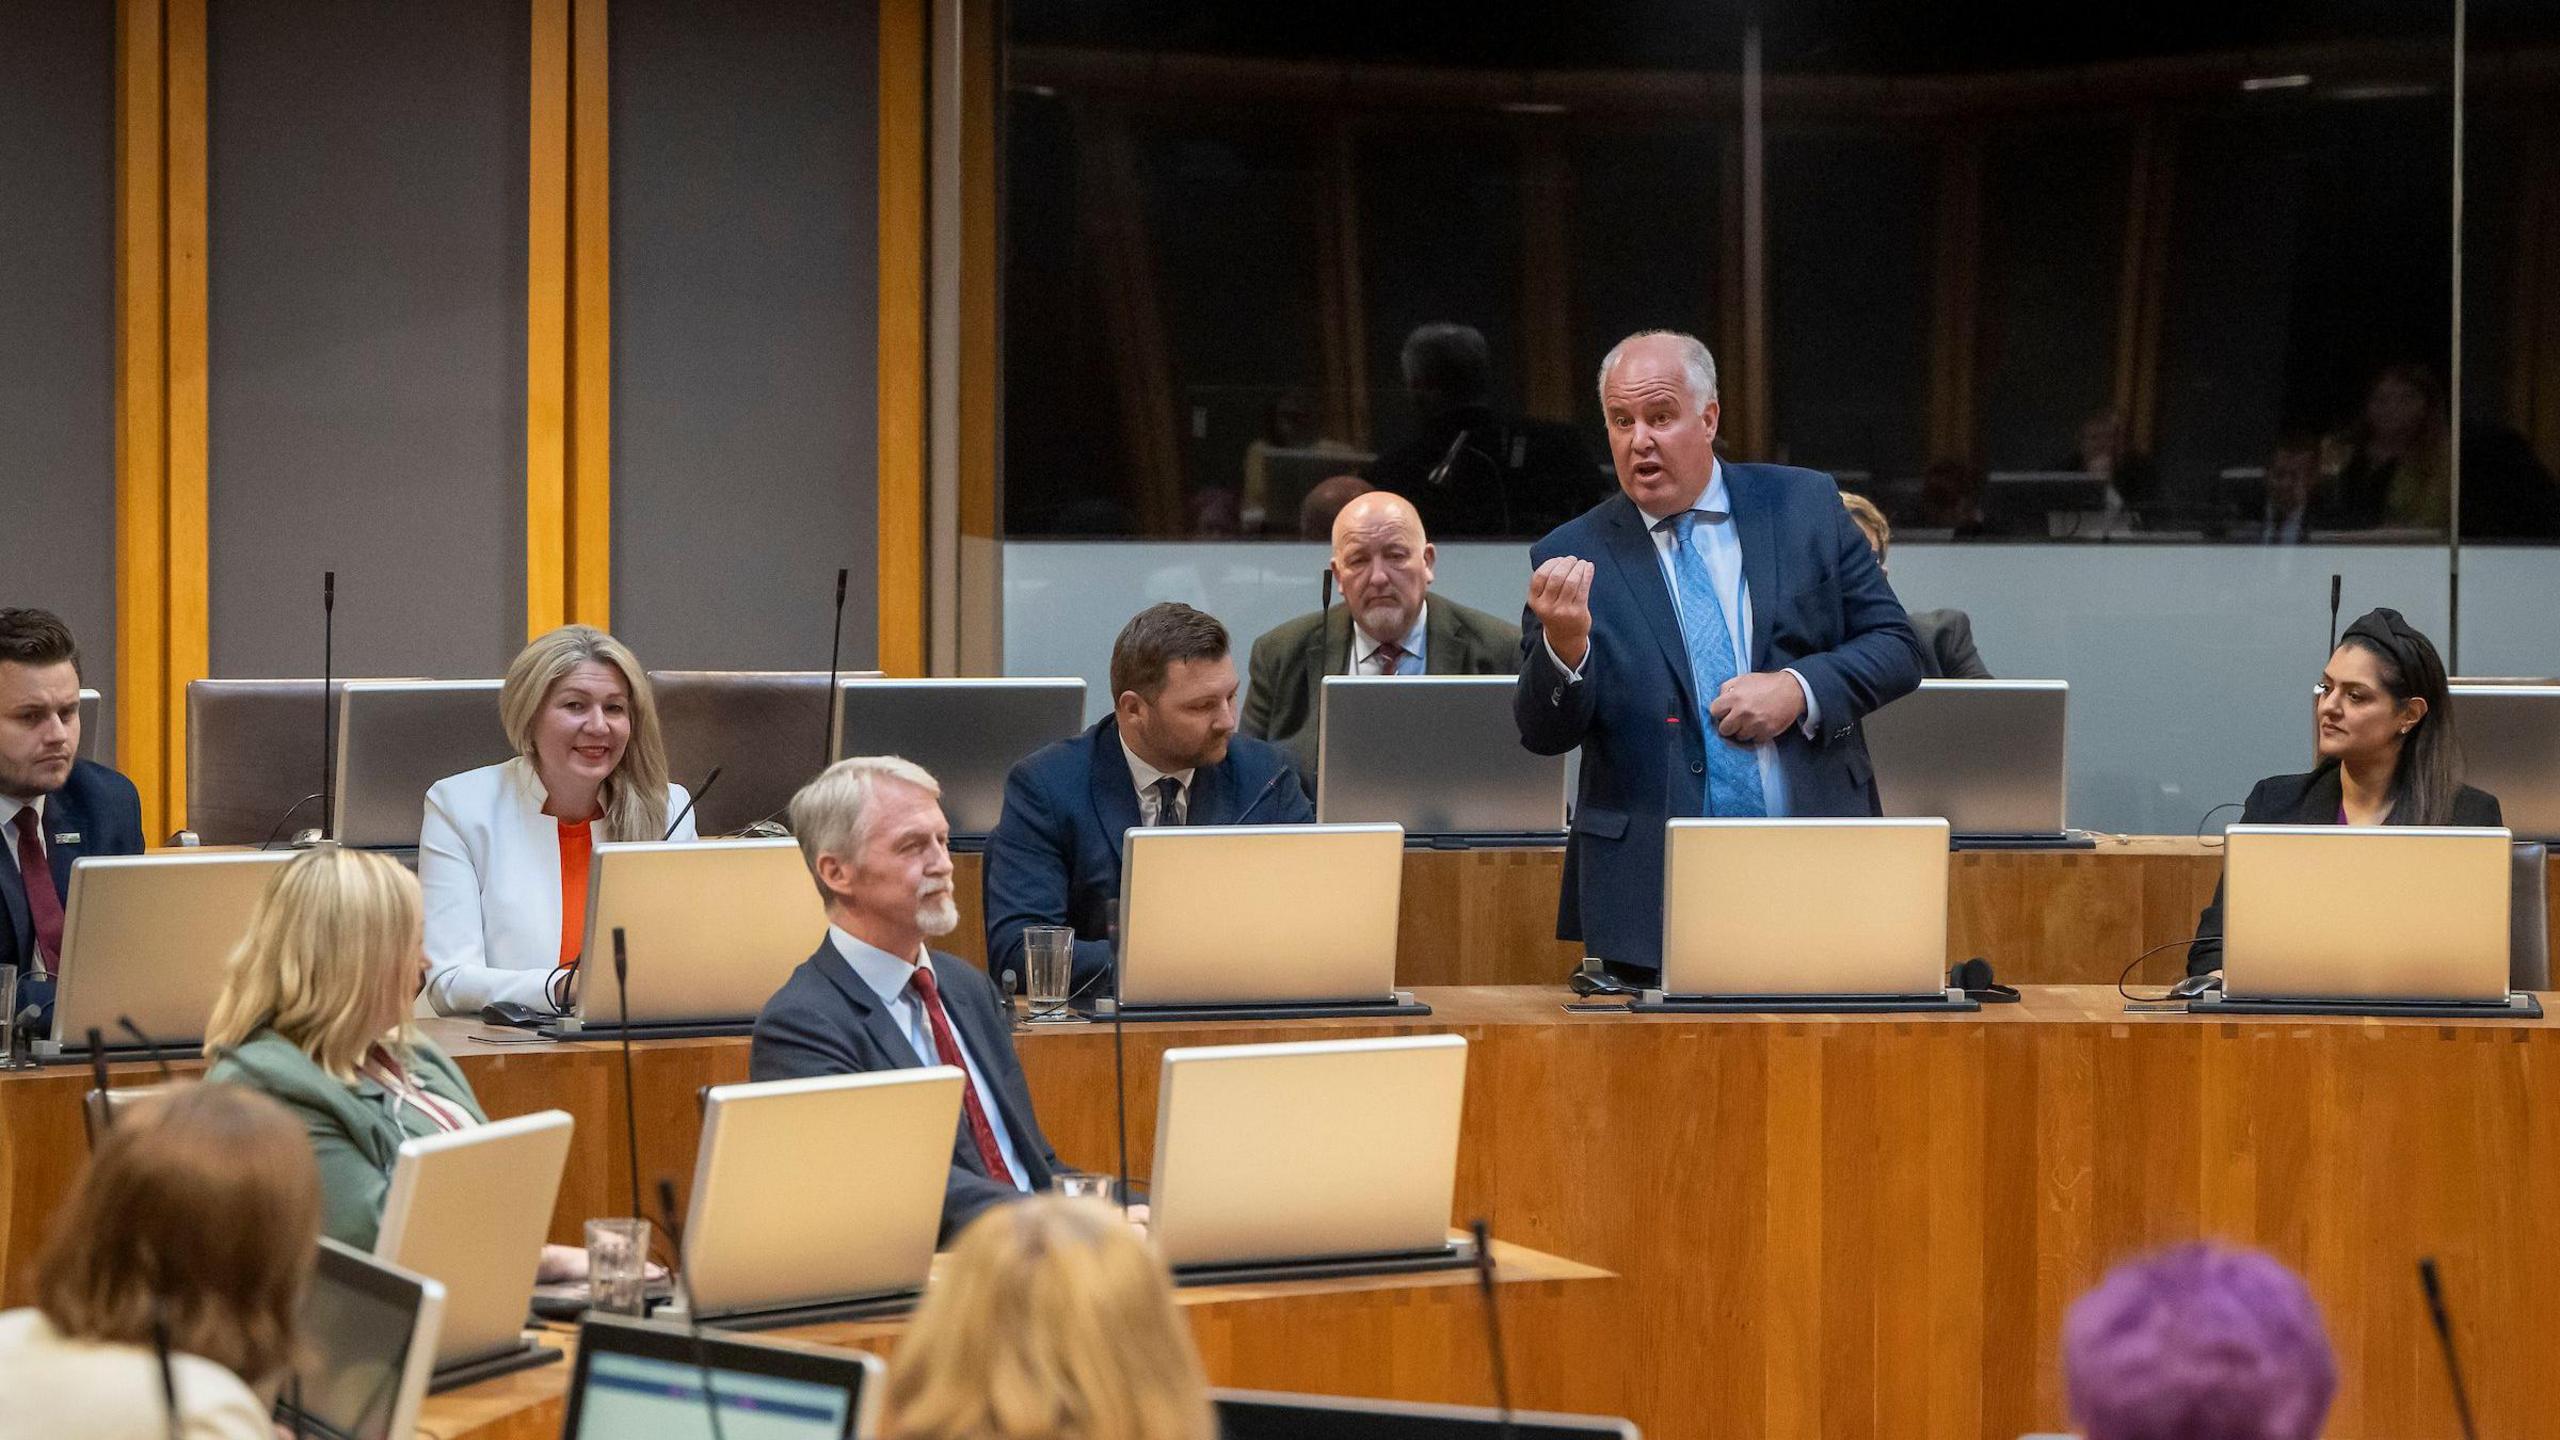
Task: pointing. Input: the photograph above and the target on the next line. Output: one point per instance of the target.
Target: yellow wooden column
(161, 633)
(900, 566)
(568, 510)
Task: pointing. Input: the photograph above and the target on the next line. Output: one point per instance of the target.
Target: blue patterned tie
(1733, 772)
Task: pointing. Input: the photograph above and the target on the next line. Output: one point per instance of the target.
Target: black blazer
(2311, 799)
(100, 808)
(825, 1021)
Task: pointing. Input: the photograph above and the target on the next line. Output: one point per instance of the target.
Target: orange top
(577, 843)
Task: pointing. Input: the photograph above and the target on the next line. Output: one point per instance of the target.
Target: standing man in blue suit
(1168, 754)
(1710, 636)
(54, 806)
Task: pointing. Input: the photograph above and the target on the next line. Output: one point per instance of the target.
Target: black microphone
(150, 1047)
(1493, 1322)
(2444, 1337)
(160, 1352)
(692, 1321)
(630, 1100)
(835, 664)
(1439, 476)
(1119, 1061)
(690, 801)
(328, 719)
(2333, 614)
(98, 1077)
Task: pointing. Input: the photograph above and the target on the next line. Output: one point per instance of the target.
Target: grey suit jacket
(1290, 662)
(1946, 646)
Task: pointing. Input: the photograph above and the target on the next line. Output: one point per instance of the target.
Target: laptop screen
(1280, 1417)
(358, 1323)
(641, 1395)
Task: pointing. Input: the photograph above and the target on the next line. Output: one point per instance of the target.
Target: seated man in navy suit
(54, 806)
(875, 998)
(1710, 636)
(1168, 754)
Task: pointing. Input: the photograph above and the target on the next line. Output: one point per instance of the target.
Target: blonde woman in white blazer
(503, 852)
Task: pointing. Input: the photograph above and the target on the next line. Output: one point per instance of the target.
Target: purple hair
(2202, 1342)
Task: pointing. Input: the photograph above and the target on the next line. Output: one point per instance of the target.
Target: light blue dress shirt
(888, 977)
(1412, 663)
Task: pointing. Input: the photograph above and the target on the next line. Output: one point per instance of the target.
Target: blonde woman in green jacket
(315, 1011)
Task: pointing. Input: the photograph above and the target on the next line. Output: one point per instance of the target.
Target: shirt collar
(1147, 775)
(10, 805)
(1364, 645)
(886, 974)
(1713, 503)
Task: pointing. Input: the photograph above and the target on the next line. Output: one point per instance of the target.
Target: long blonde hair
(330, 961)
(1050, 1320)
(634, 797)
(197, 1219)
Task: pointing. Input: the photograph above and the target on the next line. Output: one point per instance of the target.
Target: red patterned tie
(43, 906)
(1387, 657)
(948, 1046)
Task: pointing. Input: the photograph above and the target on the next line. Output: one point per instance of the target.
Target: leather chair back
(767, 731)
(2529, 948)
(253, 752)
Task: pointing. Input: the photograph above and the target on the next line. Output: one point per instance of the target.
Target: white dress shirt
(1721, 546)
(890, 978)
(10, 805)
(1364, 645)
(489, 862)
(1146, 776)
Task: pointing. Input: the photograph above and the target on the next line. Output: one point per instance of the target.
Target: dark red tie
(43, 905)
(948, 1045)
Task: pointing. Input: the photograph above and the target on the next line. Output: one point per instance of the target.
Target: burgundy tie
(43, 905)
(1387, 657)
(948, 1046)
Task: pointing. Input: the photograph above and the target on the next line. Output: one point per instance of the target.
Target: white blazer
(489, 861)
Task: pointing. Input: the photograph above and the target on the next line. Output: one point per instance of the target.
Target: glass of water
(1049, 953)
(618, 1266)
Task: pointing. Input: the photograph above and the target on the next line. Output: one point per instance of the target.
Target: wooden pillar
(1111, 209)
(900, 574)
(1956, 299)
(568, 322)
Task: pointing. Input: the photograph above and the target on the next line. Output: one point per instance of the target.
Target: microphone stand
(1493, 1322)
(630, 1099)
(689, 802)
(692, 1320)
(835, 666)
(328, 712)
(2428, 1282)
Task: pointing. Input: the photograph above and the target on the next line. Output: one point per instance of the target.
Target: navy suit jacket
(826, 1021)
(1054, 856)
(96, 804)
(1819, 606)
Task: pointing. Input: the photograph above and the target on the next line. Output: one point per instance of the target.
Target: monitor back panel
(471, 1209)
(2331, 912)
(1266, 1415)
(968, 733)
(811, 1190)
(1307, 1150)
(396, 739)
(711, 927)
(1987, 756)
(1436, 754)
(369, 1339)
(1805, 907)
(148, 936)
(1259, 914)
(2511, 748)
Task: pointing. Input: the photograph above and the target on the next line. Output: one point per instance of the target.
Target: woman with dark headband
(2382, 732)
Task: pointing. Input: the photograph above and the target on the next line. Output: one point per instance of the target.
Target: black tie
(1168, 801)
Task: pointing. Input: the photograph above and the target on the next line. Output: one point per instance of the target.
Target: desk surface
(1823, 1226)
(1270, 1318)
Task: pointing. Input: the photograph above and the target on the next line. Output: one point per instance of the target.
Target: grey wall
(57, 323)
(745, 279)
(368, 316)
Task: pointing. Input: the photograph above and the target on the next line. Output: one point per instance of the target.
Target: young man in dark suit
(875, 997)
(54, 806)
(1168, 754)
(1710, 636)
(1389, 623)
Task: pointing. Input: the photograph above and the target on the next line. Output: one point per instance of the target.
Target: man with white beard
(876, 997)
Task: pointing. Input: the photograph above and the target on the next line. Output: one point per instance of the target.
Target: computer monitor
(812, 1193)
(711, 929)
(472, 1208)
(1268, 1415)
(635, 1378)
(148, 938)
(2386, 912)
(1439, 755)
(396, 739)
(968, 733)
(368, 1348)
(1331, 1150)
(2511, 748)
(1987, 756)
(1227, 916)
(1805, 908)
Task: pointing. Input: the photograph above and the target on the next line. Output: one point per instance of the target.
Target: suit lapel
(868, 1016)
(1212, 799)
(1328, 653)
(971, 1017)
(16, 921)
(1114, 793)
(1755, 525)
(2320, 802)
(1640, 569)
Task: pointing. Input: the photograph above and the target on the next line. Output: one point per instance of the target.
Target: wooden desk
(1835, 1227)
(2042, 917)
(1326, 1336)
